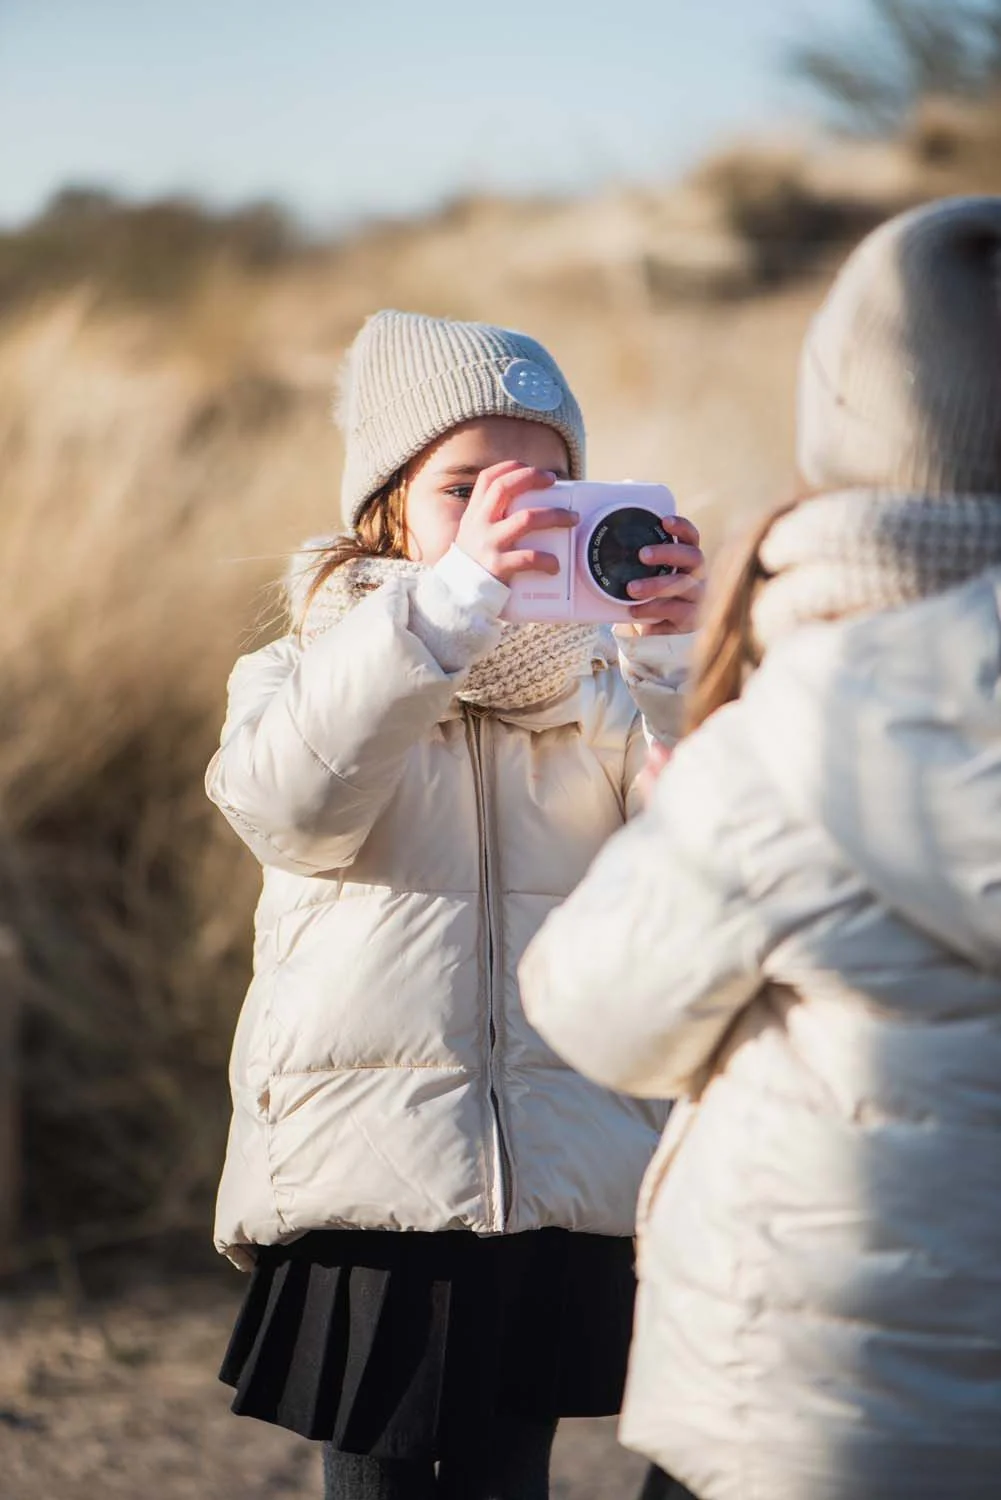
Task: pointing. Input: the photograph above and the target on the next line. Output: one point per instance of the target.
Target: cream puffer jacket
(383, 1073)
(802, 936)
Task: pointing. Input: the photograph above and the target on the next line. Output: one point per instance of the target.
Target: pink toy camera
(598, 557)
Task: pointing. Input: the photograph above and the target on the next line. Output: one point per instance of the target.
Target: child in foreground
(801, 938)
(438, 1213)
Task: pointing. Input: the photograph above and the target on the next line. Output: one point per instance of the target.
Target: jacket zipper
(500, 1180)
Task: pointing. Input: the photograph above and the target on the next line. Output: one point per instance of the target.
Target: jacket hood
(886, 731)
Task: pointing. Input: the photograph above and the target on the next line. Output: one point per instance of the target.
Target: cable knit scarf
(530, 665)
(859, 551)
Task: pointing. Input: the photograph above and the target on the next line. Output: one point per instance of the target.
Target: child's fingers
(666, 586)
(505, 488)
(529, 561)
(678, 615)
(524, 522)
(487, 478)
(678, 555)
(684, 529)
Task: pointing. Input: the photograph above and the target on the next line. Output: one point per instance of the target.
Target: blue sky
(382, 106)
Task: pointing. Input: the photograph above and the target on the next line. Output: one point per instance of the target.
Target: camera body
(598, 557)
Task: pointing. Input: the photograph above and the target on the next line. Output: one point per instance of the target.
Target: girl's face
(440, 481)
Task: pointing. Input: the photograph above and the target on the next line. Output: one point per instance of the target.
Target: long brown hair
(380, 531)
(725, 647)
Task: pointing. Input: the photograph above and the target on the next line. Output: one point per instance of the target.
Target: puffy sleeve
(636, 979)
(316, 737)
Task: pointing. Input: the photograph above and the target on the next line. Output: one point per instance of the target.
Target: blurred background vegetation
(164, 442)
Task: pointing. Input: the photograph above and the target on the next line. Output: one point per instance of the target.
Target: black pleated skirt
(398, 1345)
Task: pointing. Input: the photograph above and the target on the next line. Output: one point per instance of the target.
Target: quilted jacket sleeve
(637, 978)
(655, 668)
(655, 672)
(316, 737)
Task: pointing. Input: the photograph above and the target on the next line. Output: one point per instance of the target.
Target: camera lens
(613, 550)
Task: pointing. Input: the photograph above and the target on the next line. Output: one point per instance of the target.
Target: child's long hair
(725, 649)
(381, 531)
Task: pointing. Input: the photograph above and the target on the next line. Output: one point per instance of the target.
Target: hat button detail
(531, 386)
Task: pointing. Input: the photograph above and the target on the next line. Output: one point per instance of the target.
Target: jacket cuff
(662, 660)
(454, 610)
(470, 582)
(655, 668)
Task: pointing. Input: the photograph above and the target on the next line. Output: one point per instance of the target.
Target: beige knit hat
(408, 379)
(900, 382)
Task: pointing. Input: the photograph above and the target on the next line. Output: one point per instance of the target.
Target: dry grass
(157, 460)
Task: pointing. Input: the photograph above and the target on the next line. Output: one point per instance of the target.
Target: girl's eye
(460, 491)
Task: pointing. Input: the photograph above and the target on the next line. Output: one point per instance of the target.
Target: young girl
(802, 936)
(437, 1212)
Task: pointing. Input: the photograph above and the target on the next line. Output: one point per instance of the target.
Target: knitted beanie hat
(408, 379)
(900, 382)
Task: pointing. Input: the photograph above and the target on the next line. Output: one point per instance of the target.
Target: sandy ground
(115, 1397)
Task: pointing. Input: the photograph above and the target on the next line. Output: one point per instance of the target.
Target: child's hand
(657, 757)
(673, 599)
(492, 538)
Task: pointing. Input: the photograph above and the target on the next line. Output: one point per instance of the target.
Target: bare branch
(915, 48)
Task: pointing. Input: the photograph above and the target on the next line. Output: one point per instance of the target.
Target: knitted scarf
(530, 665)
(860, 551)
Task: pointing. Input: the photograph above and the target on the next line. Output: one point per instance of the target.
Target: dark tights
(514, 1465)
(660, 1486)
